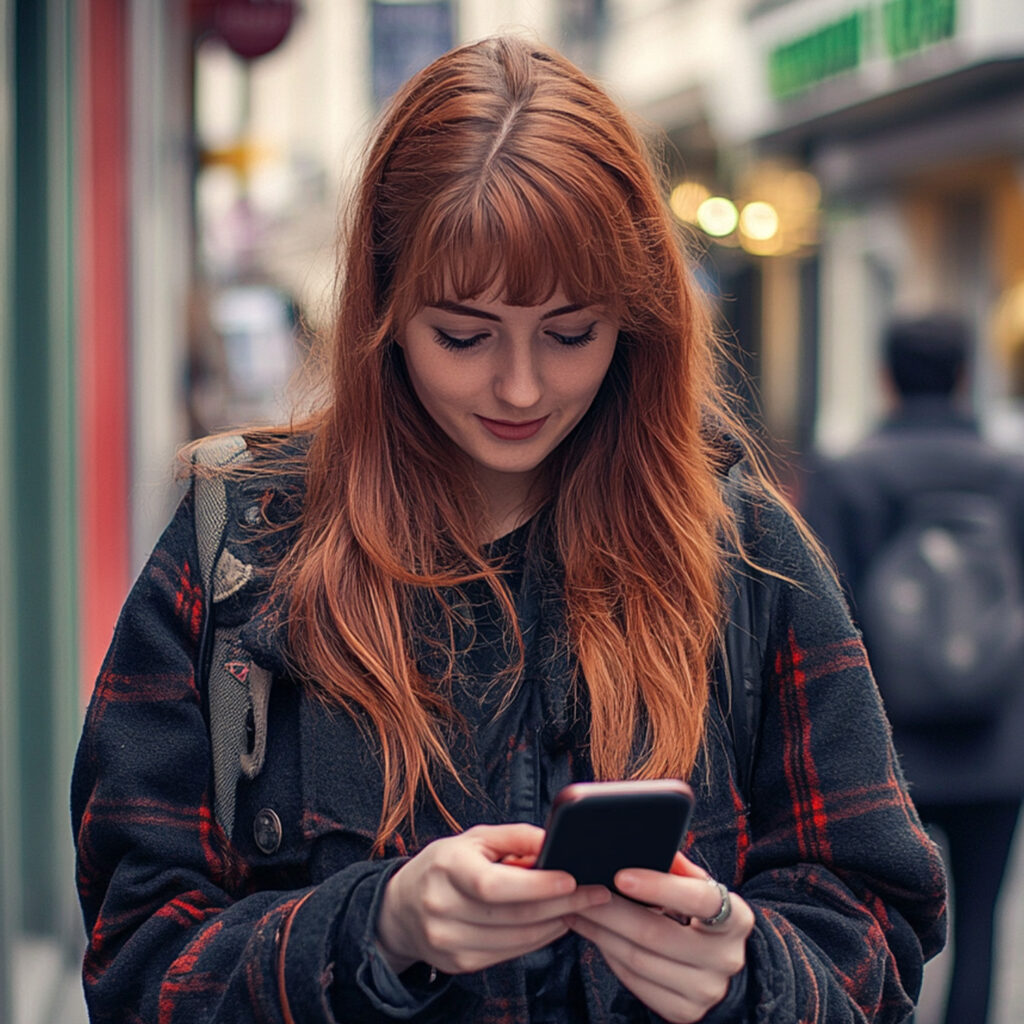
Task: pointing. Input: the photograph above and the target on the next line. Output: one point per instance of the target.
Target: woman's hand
(463, 903)
(679, 971)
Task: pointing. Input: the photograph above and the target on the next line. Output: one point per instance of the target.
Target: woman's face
(508, 383)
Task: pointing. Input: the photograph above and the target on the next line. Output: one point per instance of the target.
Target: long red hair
(502, 165)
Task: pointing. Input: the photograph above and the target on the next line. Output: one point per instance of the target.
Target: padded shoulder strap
(237, 692)
(211, 509)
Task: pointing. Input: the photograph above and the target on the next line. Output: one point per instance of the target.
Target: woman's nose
(517, 382)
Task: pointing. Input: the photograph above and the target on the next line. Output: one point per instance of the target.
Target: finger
(472, 865)
(681, 1004)
(650, 932)
(453, 937)
(532, 911)
(674, 990)
(496, 883)
(687, 895)
(668, 943)
(679, 864)
(685, 867)
(509, 848)
(518, 861)
(519, 839)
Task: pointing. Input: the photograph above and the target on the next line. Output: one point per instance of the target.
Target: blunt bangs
(525, 231)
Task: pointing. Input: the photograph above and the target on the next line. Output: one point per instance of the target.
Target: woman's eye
(450, 341)
(575, 339)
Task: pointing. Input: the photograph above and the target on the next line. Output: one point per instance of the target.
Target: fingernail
(625, 880)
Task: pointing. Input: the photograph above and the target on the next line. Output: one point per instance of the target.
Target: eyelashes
(454, 344)
(574, 340)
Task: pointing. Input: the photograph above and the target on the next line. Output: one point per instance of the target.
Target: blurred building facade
(172, 180)
(911, 116)
(904, 120)
(94, 171)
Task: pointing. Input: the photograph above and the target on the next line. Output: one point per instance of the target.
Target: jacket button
(267, 830)
(253, 515)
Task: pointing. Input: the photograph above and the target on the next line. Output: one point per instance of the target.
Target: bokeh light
(718, 216)
(759, 221)
(686, 199)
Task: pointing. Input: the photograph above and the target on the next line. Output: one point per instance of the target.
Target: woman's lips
(508, 430)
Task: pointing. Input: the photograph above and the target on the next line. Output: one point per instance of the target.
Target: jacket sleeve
(847, 889)
(177, 931)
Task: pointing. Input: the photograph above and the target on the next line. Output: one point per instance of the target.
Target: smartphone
(597, 828)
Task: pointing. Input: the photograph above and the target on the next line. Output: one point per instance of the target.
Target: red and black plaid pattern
(847, 889)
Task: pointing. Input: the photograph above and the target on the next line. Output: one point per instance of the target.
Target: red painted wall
(102, 286)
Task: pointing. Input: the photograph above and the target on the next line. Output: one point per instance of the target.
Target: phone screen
(597, 828)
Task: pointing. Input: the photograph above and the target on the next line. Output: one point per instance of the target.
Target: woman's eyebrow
(571, 308)
(458, 307)
(463, 310)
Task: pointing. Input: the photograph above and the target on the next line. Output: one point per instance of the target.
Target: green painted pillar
(41, 588)
(10, 905)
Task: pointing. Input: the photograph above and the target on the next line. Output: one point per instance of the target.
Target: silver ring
(724, 910)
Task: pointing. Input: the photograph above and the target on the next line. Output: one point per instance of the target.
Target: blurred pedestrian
(925, 522)
(497, 563)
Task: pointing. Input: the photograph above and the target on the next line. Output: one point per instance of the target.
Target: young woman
(494, 564)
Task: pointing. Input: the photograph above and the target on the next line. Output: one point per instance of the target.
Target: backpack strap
(236, 691)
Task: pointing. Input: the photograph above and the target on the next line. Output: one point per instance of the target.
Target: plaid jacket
(187, 926)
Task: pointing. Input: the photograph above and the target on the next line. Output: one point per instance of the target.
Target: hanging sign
(252, 28)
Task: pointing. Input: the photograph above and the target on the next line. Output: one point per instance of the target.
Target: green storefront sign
(893, 29)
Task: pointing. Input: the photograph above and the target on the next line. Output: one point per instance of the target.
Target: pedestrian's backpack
(942, 609)
(237, 691)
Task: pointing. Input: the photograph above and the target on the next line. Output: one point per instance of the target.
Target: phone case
(597, 828)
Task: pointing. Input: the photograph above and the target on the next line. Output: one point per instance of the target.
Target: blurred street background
(172, 174)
